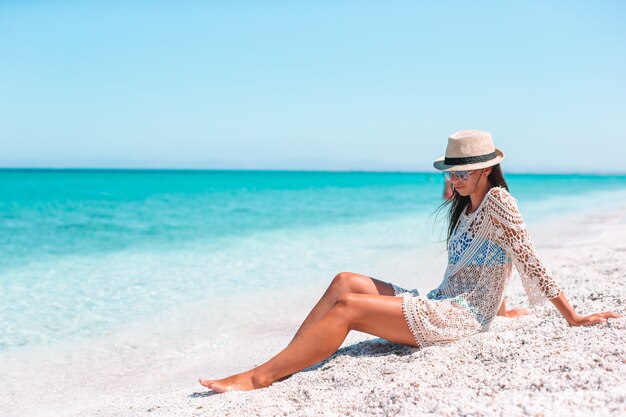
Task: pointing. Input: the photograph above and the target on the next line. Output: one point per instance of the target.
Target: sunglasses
(460, 175)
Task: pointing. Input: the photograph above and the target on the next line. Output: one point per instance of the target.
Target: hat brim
(439, 165)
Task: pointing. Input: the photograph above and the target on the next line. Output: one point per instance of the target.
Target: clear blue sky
(310, 84)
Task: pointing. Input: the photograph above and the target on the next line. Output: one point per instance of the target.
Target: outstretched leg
(515, 312)
(378, 315)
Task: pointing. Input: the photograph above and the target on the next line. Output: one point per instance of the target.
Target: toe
(206, 382)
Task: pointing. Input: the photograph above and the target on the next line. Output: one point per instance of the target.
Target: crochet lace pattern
(481, 252)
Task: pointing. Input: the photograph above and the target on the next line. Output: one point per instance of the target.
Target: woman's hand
(593, 318)
(574, 319)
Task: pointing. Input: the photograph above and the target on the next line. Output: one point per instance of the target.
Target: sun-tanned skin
(358, 302)
(351, 302)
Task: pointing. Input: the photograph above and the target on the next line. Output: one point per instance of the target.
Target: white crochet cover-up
(481, 252)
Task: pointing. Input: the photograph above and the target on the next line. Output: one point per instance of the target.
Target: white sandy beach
(535, 365)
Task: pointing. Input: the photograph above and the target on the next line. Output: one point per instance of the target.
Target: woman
(486, 236)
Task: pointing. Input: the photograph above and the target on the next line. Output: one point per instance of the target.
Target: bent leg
(515, 312)
(378, 315)
(344, 283)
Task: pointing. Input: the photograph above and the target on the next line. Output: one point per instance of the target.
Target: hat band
(470, 159)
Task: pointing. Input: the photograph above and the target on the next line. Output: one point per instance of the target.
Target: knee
(347, 300)
(347, 306)
(343, 281)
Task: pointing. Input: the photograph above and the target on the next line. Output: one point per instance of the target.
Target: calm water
(83, 251)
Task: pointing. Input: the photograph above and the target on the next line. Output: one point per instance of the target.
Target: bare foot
(245, 381)
(516, 312)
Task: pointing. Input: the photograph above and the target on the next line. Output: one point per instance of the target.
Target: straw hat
(467, 150)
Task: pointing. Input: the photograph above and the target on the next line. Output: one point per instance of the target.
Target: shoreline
(156, 373)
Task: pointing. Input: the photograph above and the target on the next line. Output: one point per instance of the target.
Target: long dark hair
(458, 202)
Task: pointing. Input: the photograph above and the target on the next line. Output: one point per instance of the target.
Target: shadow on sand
(203, 394)
(371, 348)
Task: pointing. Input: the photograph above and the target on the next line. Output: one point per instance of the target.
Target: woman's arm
(574, 319)
(511, 232)
(536, 279)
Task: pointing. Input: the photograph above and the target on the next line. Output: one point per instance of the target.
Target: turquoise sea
(83, 251)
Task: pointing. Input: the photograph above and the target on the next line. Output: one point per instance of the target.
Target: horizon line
(373, 171)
